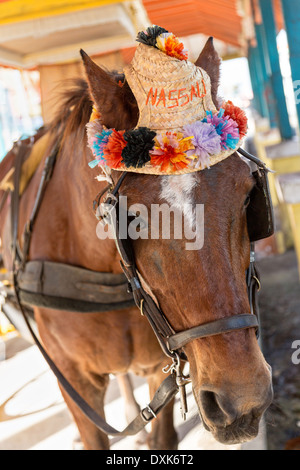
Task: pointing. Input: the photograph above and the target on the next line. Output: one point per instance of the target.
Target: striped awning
(49, 31)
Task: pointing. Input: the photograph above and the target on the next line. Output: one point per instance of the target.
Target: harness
(260, 225)
(57, 285)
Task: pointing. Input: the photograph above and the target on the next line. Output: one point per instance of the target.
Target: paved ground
(33, 415)
(280, 321)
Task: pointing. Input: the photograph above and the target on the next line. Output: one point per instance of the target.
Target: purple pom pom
(206, 141)
(226, 127)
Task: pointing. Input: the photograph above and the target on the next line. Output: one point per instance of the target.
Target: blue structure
(291, 13)
(272, 56)
(267, 73)
(257, 81)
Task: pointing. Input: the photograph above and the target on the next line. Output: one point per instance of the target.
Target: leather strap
(159, 323)
(24, 149)
(217, 327)
(46, 176)
(253, 285)
(254, 159)
(3, 199)
(75, 289)
(167, 389)
(164, 394)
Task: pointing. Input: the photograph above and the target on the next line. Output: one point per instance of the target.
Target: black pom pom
(149, 37)
(139, 143)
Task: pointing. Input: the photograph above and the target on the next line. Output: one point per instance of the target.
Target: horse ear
(116, 104)
(210, 61)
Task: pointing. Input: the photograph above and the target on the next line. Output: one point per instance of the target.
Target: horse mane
(75, 109)
(69, 120)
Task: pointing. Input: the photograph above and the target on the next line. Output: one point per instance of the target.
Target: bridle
(171, 342)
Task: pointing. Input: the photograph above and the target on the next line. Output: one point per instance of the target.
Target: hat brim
(150, 169)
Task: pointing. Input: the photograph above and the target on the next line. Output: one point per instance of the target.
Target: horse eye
(247, 201)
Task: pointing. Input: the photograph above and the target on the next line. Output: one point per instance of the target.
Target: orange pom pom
(112, 152)
(171, 45)
(238, 115)
(170, 152)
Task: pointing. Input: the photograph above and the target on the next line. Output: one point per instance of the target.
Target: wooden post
(291, 13)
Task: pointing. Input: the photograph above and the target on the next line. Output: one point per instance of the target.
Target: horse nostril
(216, 410)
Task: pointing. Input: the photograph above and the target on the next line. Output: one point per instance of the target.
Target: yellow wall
(294, 213)
(22, 10)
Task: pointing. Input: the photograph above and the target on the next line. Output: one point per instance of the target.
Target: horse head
(202, 279)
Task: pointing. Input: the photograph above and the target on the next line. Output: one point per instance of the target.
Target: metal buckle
(257, 282)
(111, 196)
(181, 381)
(104, 210)
(141, 307)
(149, 409)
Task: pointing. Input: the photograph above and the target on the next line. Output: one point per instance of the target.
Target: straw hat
(170, 93)
(179, 129)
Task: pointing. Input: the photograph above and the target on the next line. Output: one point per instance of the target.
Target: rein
(170, 341)
(167, 389)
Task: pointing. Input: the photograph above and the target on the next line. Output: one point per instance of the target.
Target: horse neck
(75, 188)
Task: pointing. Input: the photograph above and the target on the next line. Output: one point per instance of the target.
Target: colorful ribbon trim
(170, 151)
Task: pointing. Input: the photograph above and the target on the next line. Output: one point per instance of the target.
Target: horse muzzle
(232, 421)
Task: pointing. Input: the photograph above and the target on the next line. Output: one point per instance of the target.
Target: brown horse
(231, 380)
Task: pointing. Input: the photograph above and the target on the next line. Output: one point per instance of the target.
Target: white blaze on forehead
(178, 191)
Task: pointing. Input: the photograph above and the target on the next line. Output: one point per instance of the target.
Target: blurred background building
(40, 42)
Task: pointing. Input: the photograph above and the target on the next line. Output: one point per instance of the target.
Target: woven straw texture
(181, 102)
(167, 89)
(170, 94)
